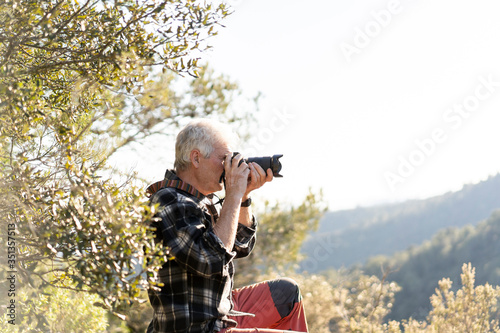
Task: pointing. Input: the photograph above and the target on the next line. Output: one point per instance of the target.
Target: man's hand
(241, 179)
(236, 185)
(237, 176)
(258, 177)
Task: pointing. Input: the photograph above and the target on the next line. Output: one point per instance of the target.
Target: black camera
(266, 162)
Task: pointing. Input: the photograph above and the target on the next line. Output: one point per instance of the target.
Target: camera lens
(268, 162)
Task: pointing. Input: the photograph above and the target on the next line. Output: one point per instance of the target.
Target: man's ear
(195, 158)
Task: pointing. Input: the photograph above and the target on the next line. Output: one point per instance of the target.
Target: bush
(56, 310)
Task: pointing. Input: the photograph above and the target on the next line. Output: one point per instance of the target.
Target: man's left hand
(258, 177)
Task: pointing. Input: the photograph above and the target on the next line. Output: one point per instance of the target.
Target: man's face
(212, 167)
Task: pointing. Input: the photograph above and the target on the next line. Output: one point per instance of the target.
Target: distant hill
(419, 269)
(349, 237)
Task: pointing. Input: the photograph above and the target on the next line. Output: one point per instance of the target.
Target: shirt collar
(172, 180)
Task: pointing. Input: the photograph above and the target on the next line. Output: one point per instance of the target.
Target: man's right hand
(236, 176)
(236, 184)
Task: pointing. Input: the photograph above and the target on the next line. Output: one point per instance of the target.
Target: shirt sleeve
(189, 237)
(245, 239)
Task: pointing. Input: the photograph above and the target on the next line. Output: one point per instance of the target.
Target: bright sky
(372, 101)
(352, 86)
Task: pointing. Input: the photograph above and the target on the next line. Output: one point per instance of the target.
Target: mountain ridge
(353, 236)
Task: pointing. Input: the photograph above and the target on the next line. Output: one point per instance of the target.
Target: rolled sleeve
(245, 239)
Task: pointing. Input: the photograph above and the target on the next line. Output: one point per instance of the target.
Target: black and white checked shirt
(198, 278)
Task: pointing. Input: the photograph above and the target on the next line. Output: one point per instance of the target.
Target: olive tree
(80, 80)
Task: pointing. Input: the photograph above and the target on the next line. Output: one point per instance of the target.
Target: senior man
(203, 238)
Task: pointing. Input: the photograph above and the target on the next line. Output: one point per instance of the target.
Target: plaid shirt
(198, 278)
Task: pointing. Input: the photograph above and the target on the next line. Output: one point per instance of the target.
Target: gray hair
(202, 134)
